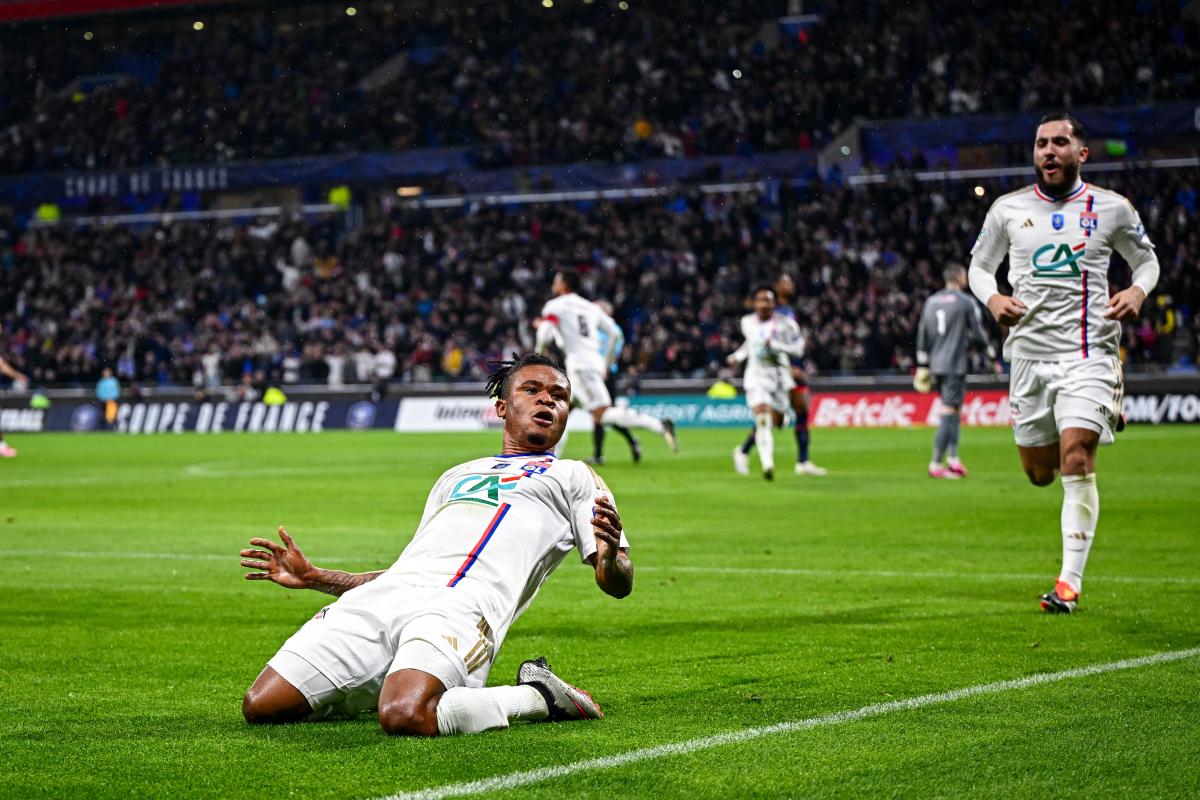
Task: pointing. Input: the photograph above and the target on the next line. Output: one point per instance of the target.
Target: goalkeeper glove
(923, 380)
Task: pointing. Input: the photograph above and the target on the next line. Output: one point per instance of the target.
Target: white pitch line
(797, 571)
(514, 780)
(891, 573)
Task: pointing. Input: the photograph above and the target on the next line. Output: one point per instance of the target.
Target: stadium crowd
(435, 295)
(522, 84)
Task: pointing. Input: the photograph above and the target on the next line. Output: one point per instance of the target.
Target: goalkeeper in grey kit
(950, 320)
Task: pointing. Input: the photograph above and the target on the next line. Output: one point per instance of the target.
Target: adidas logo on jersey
(1028, 223)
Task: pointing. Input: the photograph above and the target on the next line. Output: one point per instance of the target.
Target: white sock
(463, 710)
(1080, 512)
(765, 439)
(627, 417)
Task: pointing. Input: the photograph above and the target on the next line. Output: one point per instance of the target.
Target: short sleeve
(991, 246)
(586, 484)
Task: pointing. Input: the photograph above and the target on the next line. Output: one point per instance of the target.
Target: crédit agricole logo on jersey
(1058, 260)
(485, 488)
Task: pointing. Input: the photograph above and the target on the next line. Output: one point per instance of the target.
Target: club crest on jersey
(1062, 264)
(537, 467)
(1057, 220)
(1088, 220)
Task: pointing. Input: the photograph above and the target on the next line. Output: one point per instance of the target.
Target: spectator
(384, 370)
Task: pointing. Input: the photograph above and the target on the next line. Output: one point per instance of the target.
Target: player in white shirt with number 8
(1066, 385)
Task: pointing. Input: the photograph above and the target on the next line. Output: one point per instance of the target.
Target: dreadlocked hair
(503, 371)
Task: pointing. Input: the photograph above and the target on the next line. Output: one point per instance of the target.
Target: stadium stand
(446, 290)
(521, 84)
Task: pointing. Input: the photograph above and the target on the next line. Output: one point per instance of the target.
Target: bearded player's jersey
(577, 324)
(768, 344)
(1058, 253)
(494, 529)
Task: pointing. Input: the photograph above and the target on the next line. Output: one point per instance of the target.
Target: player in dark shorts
(950, 321)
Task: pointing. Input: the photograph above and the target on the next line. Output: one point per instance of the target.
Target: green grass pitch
(127, 634)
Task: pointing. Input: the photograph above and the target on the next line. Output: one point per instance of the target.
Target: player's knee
(1075, 461)
(260, 708)
(407, 717)
(271, 699)
(1040, 475)
(253, 708)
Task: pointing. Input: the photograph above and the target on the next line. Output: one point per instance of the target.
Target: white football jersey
(1058, 253)
(768, 345)
(582, 330)
(493, 530)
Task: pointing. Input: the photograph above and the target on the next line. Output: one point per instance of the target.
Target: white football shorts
(340, 658)
(1047, 397)
(770, 389)
(588, 389)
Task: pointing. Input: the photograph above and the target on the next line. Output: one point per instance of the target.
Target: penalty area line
(514, 780)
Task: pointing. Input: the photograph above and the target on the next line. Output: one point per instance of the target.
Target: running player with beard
(416, 641)
(1066, 384)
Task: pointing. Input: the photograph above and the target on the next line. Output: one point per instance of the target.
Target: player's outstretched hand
(284, 564)
(1125, 305)
(606, 523)
(1007, 310)
(923, 380)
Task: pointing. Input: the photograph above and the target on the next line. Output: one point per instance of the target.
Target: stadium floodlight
(351, 11)
(197, 25)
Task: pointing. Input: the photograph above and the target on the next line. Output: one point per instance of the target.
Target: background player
(950, 320)
(785, 289)
(610, 381)
(769, 340)
(417, 640)
(576, 325)
(1065, 382)
(20, 381)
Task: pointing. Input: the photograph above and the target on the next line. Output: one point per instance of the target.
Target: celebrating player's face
(535, 411)
(764, 304)
(1057, 154)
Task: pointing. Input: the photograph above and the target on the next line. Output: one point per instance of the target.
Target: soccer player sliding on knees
(416, 641)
